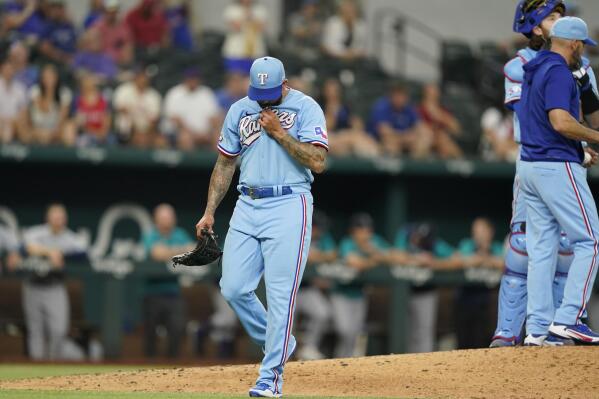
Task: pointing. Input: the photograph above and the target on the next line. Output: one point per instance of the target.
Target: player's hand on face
(205, 223)
(270, 122)
(594, 157)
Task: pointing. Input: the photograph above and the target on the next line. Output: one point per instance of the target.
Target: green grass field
(18, 371)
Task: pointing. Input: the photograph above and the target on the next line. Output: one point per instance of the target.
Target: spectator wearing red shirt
(92, 114)
(148, 25)
(442, 123)
(114, 33)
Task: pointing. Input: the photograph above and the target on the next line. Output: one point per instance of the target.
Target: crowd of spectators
(83, 85)
(94, 107)
(40, 34)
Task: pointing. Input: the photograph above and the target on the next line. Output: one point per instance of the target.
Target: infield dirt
(518, 373)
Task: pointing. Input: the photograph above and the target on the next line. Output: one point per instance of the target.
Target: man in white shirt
(13, 106)
(137, 107)
(45, 299)
(191, 114)
(345, 34)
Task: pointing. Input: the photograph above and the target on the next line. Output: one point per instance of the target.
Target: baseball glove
(205, 252)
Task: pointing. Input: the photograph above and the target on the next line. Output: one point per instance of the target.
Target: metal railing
(391, 27)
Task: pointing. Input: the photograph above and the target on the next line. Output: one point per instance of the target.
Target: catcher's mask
(530, 13)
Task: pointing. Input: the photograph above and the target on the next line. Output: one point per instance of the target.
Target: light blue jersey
(269, 235)
(264, 162)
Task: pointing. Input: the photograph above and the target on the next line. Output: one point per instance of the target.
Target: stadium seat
(464, 103)
(458, 63)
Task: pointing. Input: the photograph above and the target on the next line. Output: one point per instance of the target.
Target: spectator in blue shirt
(163, 303)
(177, 17)
(91, 58)
(235, 88)
(26, 18)
(474, 309)
(59, 39)
(395, 122)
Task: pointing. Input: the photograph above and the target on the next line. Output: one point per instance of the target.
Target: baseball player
(280, 135)
(534, 19)
(554, 186)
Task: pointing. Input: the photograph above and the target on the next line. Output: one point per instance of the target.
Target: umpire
(553, 181)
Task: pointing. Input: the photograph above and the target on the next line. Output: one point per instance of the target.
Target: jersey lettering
(249, 130)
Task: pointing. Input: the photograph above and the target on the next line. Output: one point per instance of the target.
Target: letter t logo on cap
(262, 77)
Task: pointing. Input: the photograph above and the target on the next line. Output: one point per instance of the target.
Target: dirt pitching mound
(517, 373)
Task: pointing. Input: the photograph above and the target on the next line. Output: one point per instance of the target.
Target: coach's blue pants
(557, 194)
(270, 237)
(513, 296)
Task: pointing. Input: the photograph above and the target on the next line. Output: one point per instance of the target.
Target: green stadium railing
(203, 159)
(107, 280)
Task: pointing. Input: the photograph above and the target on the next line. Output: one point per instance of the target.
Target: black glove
(588, 98)
(205, 252)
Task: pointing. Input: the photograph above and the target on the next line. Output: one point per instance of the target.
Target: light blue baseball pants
(557, 194)
(513, 297)
(270, 237)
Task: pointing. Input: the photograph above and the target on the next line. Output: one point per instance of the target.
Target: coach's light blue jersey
(514, 77)
(264, 163)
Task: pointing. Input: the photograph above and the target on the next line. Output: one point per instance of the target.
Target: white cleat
(534, 340)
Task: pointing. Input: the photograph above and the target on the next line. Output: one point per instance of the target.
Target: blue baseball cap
(572, 28)
(267, 75)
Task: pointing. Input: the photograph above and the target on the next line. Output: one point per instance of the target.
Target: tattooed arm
(309, 155)
(220, 181)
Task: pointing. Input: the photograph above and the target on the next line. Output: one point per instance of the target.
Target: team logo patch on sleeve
(514, 91)
(320, 132)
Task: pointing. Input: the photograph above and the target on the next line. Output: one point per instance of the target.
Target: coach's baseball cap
(267, 75)
(572, 28)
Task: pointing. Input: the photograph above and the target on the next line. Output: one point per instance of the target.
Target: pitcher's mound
(516, 373)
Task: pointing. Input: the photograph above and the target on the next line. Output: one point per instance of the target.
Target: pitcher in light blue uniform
(280, 135)
(530, 15)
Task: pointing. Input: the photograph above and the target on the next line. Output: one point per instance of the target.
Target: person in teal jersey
(313, 299)
(419, 245)
(361, 250)
(162, 300)
(474, 315)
